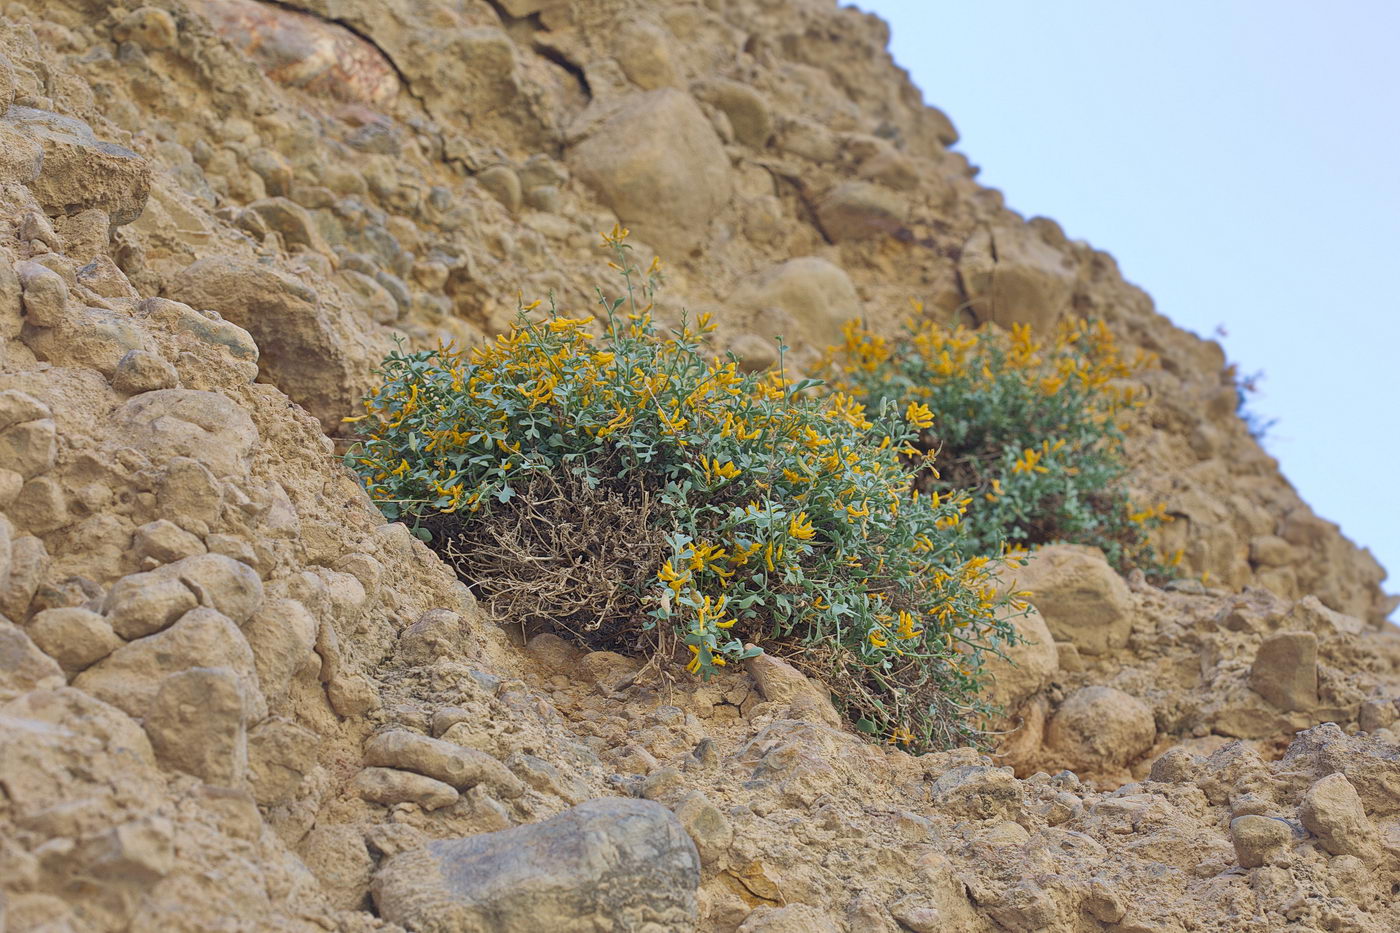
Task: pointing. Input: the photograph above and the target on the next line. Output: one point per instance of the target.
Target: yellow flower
(878, 639)
(614, 239)
(714, 469)
(919, 415)
(676, 581)
(1029, 461)
(703, 555)
(800, 527)
(847, 409)
(621, 420)
(672, 423)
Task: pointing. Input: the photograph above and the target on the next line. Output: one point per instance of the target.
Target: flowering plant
(763, 514)
(1026, 432)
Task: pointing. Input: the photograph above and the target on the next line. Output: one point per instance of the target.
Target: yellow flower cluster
(1028, 428)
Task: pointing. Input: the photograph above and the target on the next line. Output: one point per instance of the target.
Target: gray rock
(710, 829)
(605, 866)
(1284, 671)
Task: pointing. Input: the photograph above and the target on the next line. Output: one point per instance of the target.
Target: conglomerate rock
(231, 696)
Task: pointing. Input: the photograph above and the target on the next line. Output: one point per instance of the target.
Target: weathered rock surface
(209, 634)
(1100, 727)
(610, 864)
(657, 163)
(1284, 671)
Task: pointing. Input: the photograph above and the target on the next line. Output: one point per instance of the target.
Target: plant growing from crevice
(1258, 426)
(631, 492)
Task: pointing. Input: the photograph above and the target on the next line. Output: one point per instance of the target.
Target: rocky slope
(231, 697)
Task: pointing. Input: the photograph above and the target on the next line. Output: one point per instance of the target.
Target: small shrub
(644, 497)
(1258, 425)
(1025, 432)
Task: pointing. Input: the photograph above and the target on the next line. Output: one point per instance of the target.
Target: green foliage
(786, 518)
(1026, 431)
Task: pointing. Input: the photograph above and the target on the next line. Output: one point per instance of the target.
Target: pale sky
(1241, 161)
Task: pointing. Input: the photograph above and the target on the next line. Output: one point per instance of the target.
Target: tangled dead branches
(562, 556)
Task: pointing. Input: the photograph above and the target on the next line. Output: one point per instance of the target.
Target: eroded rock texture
(232, 697)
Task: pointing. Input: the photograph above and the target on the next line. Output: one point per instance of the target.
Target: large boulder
(1084, 601)
(657, 162)
(605, 865)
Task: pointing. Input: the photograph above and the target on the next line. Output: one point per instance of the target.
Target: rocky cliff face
(231, 697)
